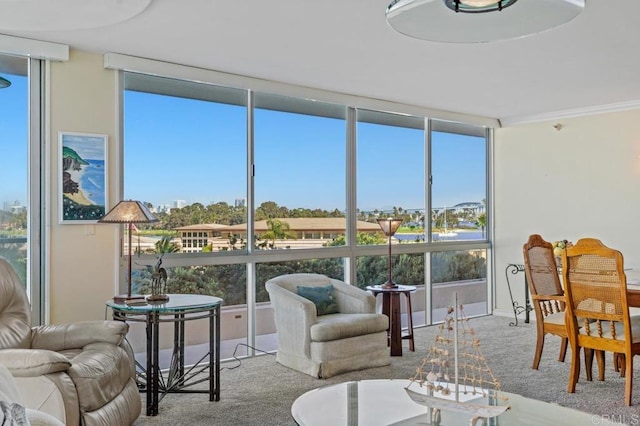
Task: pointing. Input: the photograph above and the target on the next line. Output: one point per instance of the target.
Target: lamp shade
(128, 211)
(389, 225)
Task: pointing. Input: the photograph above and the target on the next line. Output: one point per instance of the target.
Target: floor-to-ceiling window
(249, 185)
(186, 158)
(20, 173)
(14, 115)
(459, 165)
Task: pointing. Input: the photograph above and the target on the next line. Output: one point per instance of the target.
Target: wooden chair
(547, 295)
(597, 310)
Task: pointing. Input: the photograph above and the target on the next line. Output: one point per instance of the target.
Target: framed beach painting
(82, 194)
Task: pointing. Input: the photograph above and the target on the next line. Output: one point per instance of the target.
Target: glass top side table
(179, 309)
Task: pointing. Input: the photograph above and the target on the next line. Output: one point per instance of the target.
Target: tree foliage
(229, 281)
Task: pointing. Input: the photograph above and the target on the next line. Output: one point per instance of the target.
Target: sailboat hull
(474, 410)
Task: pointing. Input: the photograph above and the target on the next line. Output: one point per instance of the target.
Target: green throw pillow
(322, 297)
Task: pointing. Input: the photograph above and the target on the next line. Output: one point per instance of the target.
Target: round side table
(391, 308)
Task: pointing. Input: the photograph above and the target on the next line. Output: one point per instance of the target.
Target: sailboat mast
(444, 225)
(455, 343)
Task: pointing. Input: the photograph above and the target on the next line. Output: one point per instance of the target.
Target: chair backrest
(540, 267)
(596, 290)
(542, 276)
(292, 281)
(15, 310)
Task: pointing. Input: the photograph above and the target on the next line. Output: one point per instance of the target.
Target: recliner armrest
(33, 362)
(77, 335)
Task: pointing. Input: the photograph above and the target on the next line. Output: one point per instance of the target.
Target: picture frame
(82, 175)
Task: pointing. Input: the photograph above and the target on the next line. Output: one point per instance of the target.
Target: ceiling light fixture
(477, 21)
(61, 15)
(4, 83)
(478, 6)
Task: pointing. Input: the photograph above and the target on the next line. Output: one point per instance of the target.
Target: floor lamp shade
(389, 226)
(128, 212)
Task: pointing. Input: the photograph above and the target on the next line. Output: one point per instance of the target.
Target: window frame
(349, 252)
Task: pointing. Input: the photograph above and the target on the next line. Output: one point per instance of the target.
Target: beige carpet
(260, 391)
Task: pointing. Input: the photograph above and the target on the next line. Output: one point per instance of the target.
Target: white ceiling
(592, 63)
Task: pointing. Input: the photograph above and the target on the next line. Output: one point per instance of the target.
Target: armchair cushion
(342, 326)
(322, 297)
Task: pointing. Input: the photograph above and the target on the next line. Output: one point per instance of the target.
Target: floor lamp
(128, 212)
(389, 226)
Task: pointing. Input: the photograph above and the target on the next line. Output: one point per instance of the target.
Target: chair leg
(575, 369)
(628, 387)
(619, 363)
(600, 360)
(588, 363)
(538, 353)
(563, 349)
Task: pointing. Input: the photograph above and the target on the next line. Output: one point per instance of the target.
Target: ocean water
(93, 182)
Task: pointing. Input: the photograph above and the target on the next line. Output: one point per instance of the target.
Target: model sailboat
(455, 372)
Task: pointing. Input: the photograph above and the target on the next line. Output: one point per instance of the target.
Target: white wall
(580, 181)
(82, 258)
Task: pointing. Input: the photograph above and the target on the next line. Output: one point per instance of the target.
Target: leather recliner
(81, 373)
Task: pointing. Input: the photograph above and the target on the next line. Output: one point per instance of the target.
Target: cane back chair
(547, 295)
(598, 312)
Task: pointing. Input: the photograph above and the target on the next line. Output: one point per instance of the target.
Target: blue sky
(13, 141)
(179, 149)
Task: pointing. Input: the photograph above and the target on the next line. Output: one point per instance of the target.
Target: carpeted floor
(259, 391)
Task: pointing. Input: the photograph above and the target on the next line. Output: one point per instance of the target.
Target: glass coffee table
(385, 402)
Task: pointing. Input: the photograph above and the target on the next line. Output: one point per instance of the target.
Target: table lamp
(128, 212)
(389, 226)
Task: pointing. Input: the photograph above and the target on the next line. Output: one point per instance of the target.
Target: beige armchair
(353, 338)
(81, 373)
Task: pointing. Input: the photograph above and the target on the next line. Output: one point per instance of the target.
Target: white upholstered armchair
(81, 373)
(352, 338)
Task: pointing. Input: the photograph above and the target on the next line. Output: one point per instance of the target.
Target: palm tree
(481, 221)
(278, 230)
(165, 245)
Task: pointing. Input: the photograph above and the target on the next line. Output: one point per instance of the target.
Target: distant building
(240, 202)
(162, 208)
(178, 204)
(193, 238)
(309, 232)
(312, 228)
